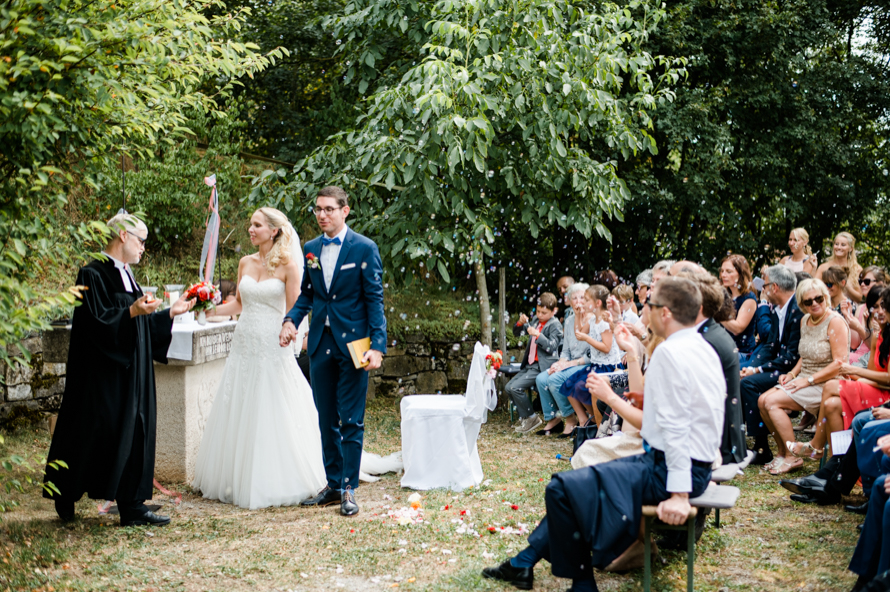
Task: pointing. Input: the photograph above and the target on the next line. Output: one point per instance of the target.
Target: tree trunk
(484, 303)
(502, 308)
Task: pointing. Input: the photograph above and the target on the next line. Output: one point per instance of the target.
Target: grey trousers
(518, 386)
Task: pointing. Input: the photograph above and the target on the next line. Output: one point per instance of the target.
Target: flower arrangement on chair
(493, 362)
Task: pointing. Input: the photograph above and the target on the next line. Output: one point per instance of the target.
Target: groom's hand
(288, 334)
(374, 359)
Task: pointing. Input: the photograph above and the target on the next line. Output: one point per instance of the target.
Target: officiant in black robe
(105, 432)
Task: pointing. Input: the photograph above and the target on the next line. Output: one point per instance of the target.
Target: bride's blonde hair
(280, 253)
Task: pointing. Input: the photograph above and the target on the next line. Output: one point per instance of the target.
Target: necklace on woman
(819, 320)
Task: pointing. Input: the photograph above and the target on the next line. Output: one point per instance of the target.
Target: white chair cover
(439, 432)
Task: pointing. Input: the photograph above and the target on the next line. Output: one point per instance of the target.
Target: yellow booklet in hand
(357, 350)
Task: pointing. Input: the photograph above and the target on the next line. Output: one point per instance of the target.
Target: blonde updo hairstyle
(280, 253)
(801, 234)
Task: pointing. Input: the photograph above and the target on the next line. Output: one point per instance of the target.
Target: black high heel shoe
(569, 435)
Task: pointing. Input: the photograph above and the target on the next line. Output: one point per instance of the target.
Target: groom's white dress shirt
(329, 255)
(683, 405)
(126, 276)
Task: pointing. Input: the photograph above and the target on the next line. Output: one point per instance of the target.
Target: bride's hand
(288, 334)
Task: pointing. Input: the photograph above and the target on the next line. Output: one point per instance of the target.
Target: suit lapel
(314, 247)
(344, 249)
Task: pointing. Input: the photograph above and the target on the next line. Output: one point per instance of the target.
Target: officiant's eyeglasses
(141, 240)
(328, 211)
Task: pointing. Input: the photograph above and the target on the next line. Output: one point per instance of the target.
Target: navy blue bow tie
(325, 241)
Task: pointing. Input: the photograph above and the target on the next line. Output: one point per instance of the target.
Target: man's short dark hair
(335, 192)
(681, 297)
(834, 274)
(548, 301)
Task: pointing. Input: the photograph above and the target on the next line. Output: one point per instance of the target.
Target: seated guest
(736, 277)
(607, 278)
(562, 287)
(628, 441)
(643, 281)
(558, 412)
(824, 346)
(872, 554)
(860, 389)
(625, 296)
(776, 356)
(801, 257)
(732, 445)
(871, 280)
(687, 266)
(844, 256)
(840, 474)
(594, 514)
(660, 270)
(835, 279)
(603, 353)
(540, 353)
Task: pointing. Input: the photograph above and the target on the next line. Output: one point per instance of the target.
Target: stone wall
(39, 385)
(418, 366)
(425, 367)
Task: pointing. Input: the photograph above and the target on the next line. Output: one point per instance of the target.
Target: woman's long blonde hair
(802, 234)
(282, 244)
(852, 268)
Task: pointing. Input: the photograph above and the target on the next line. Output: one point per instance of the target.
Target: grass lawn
(766, 543)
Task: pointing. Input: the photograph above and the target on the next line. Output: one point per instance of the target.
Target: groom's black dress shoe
(348, 507)
(804, 498)
(146, 519)
(65, 510)
(325, 497)
(804, 485)
(863, 509)
(521, 577)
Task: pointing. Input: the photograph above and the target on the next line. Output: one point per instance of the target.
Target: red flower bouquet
(493, 362)
(206, 295)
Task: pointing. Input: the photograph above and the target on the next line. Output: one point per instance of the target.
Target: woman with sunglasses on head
(735, 275)
(801, 257)
(844, 256)
(824, 347)
(858, 390)
(835, 279)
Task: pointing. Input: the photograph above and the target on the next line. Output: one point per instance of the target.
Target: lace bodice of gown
(262, 311)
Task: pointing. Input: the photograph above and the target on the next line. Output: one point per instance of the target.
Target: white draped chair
(439, 432)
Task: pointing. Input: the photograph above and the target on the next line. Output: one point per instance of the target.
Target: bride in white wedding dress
(261, 444)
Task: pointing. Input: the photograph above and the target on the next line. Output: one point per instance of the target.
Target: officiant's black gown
(106, 426)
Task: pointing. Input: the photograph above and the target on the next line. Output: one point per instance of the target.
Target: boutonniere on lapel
(312, 261)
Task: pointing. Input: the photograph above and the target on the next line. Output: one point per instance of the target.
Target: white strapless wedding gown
(261, 445)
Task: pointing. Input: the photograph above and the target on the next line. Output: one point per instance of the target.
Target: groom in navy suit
(343, 286)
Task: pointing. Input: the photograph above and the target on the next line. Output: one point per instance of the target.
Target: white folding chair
(439, 432)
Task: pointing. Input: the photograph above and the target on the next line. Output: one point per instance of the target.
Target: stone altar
(186, 386)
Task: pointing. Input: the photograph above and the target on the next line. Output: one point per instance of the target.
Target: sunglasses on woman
(865, 281)
(818, 300)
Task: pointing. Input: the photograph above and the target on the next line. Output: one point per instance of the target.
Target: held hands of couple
(289, 333)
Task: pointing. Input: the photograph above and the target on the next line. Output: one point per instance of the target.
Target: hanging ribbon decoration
(211, 237)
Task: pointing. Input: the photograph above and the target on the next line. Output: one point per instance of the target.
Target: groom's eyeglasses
(326, 211)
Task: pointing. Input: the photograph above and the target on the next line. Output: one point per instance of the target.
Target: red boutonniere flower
(312, 261)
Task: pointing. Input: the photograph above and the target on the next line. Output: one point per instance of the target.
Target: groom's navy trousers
(339, 390)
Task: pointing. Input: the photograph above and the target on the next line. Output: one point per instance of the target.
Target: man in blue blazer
(777, 357)
(343, 287)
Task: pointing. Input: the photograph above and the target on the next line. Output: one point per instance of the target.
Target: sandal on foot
(777, 460)
(787, 466)
(804, 450)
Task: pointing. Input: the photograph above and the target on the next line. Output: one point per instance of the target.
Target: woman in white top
(801, 257)
(605, 355)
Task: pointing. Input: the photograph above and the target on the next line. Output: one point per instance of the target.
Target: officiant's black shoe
(805, 498)
(348, 507)
(65, 510)
(326, 497)
(146, 519)
(863, 509)
(521, 577)
(804, 485)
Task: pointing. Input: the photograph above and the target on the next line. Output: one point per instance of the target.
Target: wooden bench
(715, 497)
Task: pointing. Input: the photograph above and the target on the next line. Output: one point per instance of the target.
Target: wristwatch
(811, 381)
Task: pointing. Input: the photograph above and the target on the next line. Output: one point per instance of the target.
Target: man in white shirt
(682, 428)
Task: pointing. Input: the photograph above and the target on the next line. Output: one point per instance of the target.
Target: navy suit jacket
(781, 356)
(354, 303)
